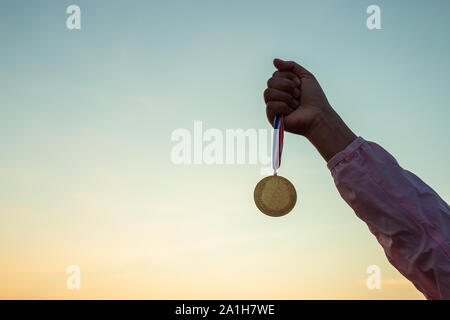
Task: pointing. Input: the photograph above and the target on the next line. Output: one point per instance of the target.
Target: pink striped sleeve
(407, 217)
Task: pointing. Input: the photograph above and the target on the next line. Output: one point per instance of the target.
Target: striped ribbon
(278, 135)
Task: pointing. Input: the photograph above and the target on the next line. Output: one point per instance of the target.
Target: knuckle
(291, 100)
(271, 105)
(267, 94)
(290, 84)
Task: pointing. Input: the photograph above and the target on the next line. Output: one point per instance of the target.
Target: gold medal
(275, 196)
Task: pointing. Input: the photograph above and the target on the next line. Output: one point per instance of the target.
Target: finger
(271, 94)
(295, 103)
(288, 75)
(282, 84)
(276, 107)
(291, 66)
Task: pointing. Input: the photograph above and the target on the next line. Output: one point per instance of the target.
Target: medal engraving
(275, 196)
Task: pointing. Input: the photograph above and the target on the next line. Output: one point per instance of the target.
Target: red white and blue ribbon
(278, 135)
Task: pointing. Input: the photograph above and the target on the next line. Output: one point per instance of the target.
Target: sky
(86, 118)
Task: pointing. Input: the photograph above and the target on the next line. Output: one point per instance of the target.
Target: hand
(294, 92)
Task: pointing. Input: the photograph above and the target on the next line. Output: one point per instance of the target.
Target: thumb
(282, 65)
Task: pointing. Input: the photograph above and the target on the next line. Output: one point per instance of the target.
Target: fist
(294, 92)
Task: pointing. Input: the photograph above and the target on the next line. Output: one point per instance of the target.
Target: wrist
(329, 134)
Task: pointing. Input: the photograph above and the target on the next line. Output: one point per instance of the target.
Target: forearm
(329, 134)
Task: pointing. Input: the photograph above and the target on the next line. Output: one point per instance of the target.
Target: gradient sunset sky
(86, 118)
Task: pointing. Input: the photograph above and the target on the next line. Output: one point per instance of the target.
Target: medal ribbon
(278, 135)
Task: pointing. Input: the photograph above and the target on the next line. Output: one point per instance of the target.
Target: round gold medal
(275, 196)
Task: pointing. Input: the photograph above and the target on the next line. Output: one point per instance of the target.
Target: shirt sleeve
(407, 217)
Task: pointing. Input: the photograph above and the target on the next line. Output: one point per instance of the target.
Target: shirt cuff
(338, 157)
